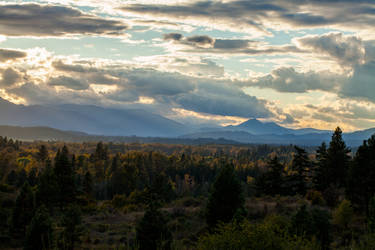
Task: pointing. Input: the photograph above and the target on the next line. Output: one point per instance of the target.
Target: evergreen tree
(21, 177)
(101, 152)
(39, 234)
(314, 223)
(226, 198)
(88, 184)
(24, 209)
(152, 230)
(271, 182)
(43, 153)
(12, 178)
(48, 189)
(32, 177)
(361, 185)
(320, 178)
(300, 166)
(71, 222)
(161, 188)
(302, 222)
(371, 215)
(322, 227)
(115, 163)
(337, 159)
(123, 180)
(65, 177)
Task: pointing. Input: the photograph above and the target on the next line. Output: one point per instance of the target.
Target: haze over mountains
(90, 119)
(83, 122)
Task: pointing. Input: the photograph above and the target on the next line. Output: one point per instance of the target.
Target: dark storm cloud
(9, 54)
(51, 20)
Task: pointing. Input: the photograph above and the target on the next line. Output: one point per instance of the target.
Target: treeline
(48, 189)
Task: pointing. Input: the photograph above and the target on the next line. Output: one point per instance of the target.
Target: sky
(300, 63)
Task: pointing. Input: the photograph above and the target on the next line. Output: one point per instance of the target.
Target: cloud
(9, 54)
(361, 84)
(324, 117)
(348, 50)
(52, 20)
(9, 78)
(207, 45)
(258, 17)
(184, 64)
(288, 119)
(73, 81)
(173, 36)
(68, 82)
(61, 66)
(289, 80)
(201, 40)
(224, 100)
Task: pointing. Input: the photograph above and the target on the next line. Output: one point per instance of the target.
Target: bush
(316, 198)
(6, 188)
(269, 235)
(119, 200)
(343, 214)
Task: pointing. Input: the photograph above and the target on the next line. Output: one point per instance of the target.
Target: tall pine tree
(361, 184)
(226, 198)
(24, 209)
(152, 230)
(39, 234)
(65, 177)
(337, 159)
(48, 190)
(301, 166)
(320, 178)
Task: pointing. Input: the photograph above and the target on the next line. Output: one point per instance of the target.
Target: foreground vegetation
(156, 196)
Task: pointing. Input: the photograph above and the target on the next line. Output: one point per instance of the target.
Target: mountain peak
(250, 122)
(255, 126)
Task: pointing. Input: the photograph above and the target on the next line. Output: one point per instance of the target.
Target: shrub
(316, 198)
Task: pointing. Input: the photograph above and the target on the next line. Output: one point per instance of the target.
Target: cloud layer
(260, 16)
(51, 20)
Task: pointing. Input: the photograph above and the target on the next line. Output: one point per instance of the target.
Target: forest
(95, 195)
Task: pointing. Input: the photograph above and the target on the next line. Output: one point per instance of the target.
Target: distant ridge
(256, 127)
(353, 139)
(51, 134)
(58, 123)
(91, 119)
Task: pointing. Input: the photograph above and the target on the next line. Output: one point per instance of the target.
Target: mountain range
(90, 119)
(61, 122)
